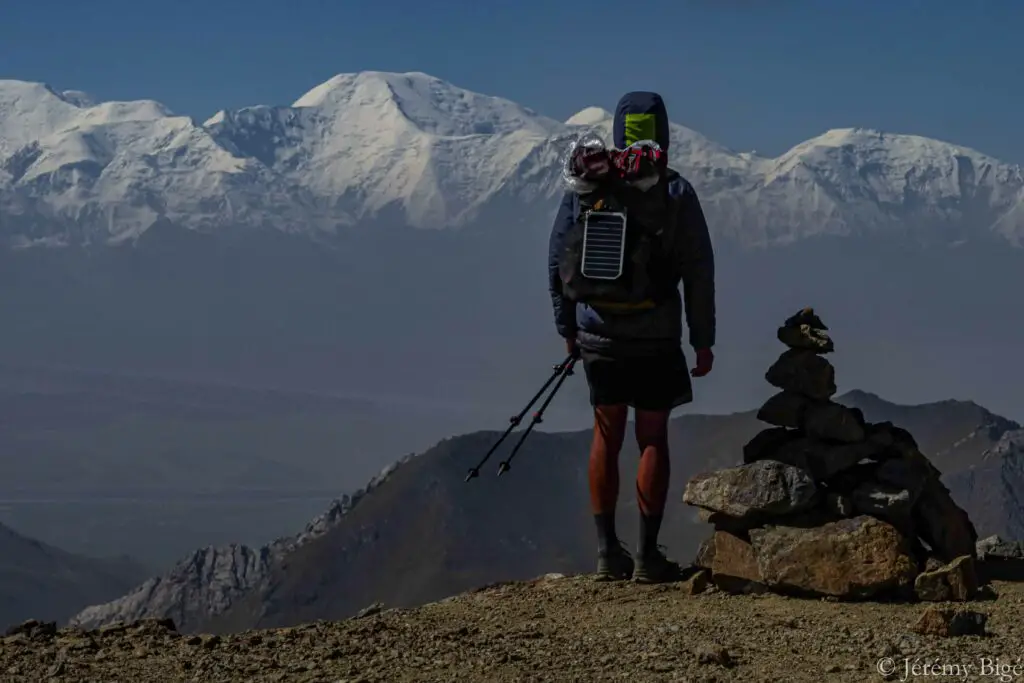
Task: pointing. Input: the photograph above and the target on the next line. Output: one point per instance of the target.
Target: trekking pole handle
(559, 371)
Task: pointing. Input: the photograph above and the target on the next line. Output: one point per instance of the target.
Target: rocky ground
(552, 629)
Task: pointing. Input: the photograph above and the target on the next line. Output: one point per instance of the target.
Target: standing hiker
(617, 305)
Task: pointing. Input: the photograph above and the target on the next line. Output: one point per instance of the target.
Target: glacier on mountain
(412, 150)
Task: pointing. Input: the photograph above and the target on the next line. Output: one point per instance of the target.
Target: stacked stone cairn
(828, 505)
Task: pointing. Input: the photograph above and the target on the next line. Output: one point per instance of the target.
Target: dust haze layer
(386, 234)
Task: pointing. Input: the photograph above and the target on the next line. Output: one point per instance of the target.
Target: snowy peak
(366, 144)
(591, 116)
(890, 169)
(79, 98)
(429, 104)
(372, 148)
(868, 141)
(31, 112)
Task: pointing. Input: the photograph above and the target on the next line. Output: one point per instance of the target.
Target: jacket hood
(640, 116)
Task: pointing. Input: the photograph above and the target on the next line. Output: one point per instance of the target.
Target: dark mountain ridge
(422, 533)
(39, 581)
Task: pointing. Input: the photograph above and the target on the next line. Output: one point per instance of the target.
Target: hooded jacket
(642, 116)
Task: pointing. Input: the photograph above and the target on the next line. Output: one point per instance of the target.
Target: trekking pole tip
(503, 467)
(473, 474)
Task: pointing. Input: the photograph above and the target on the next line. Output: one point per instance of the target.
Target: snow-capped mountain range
(412, 150)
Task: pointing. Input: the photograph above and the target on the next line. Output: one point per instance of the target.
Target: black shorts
(655, 382)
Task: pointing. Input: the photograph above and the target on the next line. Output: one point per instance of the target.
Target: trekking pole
(515, 420)
(538, 417)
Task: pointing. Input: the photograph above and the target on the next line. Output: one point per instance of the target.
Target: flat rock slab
(957, 580)
(754, 490)
(805, 337)
(834, 422)
(806, 316)
(734, 566)
(705, 553)
(825, 460)
(904, 474)
(803, 372)
(784, 409)
(856, 558)
(1000, 559)
(996, 548)
(883, 501)
(768, 442)
(943, 524)
(947, 623)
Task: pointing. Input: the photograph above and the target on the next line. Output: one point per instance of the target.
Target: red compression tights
(653, 475)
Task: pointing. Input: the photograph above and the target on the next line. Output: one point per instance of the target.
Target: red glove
(705, 360)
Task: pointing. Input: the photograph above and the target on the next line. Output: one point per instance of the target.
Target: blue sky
(751, 74)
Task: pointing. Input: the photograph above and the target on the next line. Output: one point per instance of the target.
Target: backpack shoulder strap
(675, 185)
(674, 188)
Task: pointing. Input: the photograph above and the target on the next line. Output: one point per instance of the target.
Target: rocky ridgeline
(827, 504)
(212, 579)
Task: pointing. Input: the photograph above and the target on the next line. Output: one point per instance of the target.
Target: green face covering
(640, 127)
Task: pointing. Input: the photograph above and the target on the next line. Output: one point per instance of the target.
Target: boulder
(806, 316)
(803, 372)
(800, 452)
(784, 409)
(904, 474)
(833, 422)
(755, 490)
(947, 623)
(767, 443)
(995, 548)
(1000, 560)
(856, 558)
(733, 564)
(954, 581)
(805, 337)
(736, 525)
(880, 433)
(943, 524)
(905, 447)
(849, 479)
(705, 553)
(824, 460)
(888, 503)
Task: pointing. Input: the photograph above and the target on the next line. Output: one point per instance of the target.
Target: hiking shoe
(656, 568)
(615, 565)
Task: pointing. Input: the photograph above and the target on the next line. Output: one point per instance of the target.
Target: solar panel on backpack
(604, 245)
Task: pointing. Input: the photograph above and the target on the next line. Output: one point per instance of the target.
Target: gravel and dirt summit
(552, 629)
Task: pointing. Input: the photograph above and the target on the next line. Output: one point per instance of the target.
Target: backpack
(617, 253)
